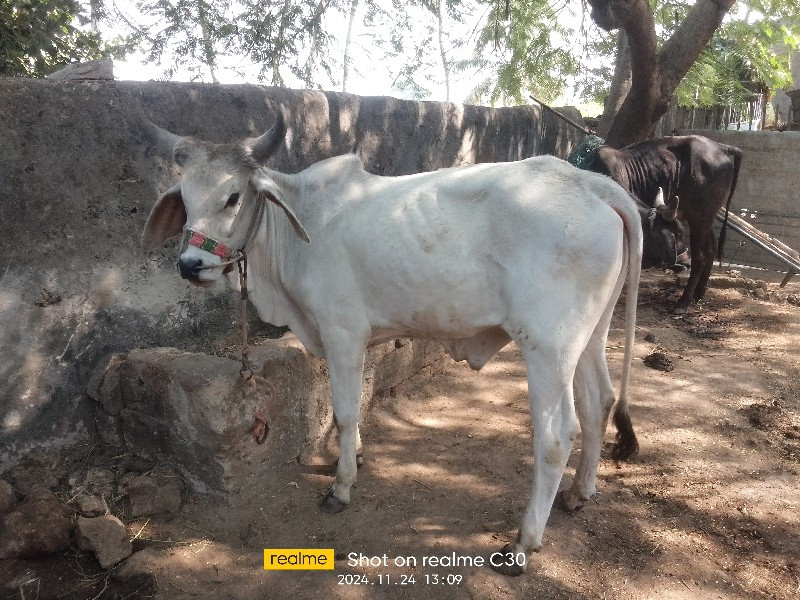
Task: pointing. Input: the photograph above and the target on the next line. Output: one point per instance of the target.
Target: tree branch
(620, 86)
(636, 20)
(654, 74)
(679, 53)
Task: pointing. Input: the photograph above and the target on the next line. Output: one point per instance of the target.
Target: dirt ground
(708, 508)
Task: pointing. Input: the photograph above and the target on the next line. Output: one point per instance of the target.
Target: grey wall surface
(77, 182)
(767, 193)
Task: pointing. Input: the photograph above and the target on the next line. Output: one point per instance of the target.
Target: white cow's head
(219, 201)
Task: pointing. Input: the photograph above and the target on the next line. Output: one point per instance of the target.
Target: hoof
(562, 503)
(331, 504)
(679, 310)
(505, 562)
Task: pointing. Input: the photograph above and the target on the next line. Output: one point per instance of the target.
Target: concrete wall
(77, 182)
(768, 190)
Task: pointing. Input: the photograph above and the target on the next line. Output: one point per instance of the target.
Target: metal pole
(558, 114)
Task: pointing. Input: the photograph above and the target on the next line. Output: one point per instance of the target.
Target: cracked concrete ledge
(195, 412)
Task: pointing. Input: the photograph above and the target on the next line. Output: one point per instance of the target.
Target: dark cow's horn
(659, 201)
(163, 140)
(261, 148)
(669, 212)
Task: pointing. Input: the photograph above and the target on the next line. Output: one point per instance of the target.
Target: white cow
(534, 251)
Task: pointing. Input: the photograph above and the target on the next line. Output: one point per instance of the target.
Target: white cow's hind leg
(359, 447)
(346, 371)
(550, 374)
(594, 397)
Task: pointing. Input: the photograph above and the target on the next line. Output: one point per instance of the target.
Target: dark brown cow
(700, 172)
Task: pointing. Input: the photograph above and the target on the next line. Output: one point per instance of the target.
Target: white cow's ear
(166, 220)
(267, 189)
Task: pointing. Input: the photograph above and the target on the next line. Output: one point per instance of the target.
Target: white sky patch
(372, 71)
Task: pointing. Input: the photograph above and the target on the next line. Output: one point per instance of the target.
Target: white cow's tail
(626, 444)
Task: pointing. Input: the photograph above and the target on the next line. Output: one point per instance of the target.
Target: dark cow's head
(664, 235)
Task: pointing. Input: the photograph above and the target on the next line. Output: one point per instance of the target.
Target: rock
(651, 338)
(159, 492)
(760, 293)
(75, 479)
(90, 69)
(41, 493)
(36, 527)
(32, 472)
(104, 384)
(195, 411)
(793, 299)
(107, 537)
(8, 497)
(122, 485)
(99, 481)
(89, 505)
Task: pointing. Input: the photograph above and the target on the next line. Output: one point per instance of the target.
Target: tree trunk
(620, 86)
(209, 54)
(445, 65)
(348, 41)
(654, 74)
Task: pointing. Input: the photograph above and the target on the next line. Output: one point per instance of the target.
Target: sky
(368, 76)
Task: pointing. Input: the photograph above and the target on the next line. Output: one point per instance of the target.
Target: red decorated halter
(209, 244)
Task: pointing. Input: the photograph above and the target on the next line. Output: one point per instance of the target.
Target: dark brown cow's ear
(166, 220)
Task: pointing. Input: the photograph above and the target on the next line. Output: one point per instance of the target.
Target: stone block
(104, 384)
(159, 492)
(107, 537)
(40, 525)
(88, 70)
(89, 505)
(194, 410)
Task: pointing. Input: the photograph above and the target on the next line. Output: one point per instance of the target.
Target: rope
(583, 155)
(246, 372)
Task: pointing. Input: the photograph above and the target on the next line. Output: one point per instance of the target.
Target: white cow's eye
(233, 199)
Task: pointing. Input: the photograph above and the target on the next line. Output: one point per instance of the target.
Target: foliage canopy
(508, 48)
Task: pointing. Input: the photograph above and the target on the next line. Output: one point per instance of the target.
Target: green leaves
(38, 37)
(521, 52)
(746, 56)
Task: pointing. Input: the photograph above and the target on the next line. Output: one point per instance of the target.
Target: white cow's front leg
(346, 371)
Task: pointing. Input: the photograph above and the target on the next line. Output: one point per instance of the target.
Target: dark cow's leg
(694, 275)
(701, 246)
(708, 266)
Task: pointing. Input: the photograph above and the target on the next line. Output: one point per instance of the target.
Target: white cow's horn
(163, 140)
(261, 148)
